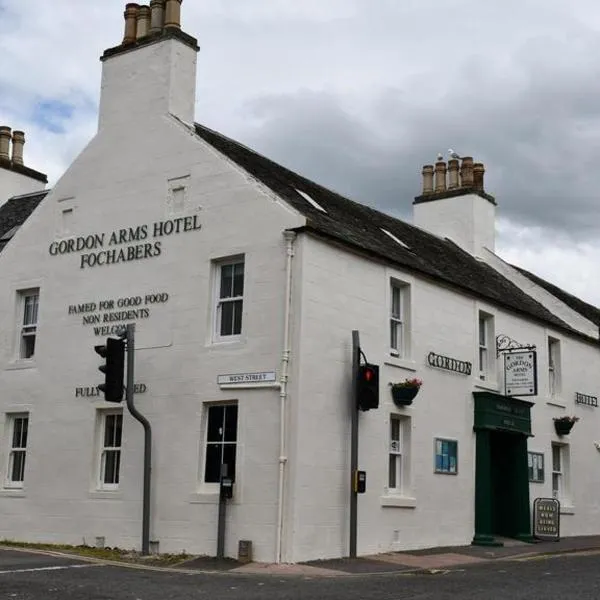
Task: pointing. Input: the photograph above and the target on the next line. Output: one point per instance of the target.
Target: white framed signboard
(520, 373)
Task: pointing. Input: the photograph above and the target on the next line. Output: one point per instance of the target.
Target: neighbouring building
(245, 282)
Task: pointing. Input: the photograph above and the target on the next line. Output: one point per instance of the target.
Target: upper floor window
(399, 318)
(486, 346)
(29, 301)
(17, 435)
(229, 299)
(554, 374)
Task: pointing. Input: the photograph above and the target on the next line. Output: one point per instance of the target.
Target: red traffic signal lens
(369, 374)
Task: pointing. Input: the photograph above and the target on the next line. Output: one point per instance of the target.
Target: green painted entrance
(502, 425)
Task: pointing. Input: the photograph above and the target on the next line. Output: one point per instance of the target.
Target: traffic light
(367, 387)
(114, 353)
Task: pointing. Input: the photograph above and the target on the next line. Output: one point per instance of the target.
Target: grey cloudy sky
(358, 95)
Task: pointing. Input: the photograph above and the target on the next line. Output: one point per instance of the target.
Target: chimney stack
(18, 141)
(440, 176)
(131, 15)
(478, 172)
(173, 14)
(466, 172)
(143, 22)
(453, 174)
(5, 136)
(427, 179)
(157, 20)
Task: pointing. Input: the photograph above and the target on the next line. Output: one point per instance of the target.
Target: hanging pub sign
(546, 519)
(520, 373)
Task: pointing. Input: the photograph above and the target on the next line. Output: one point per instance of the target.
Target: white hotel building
(245, 282)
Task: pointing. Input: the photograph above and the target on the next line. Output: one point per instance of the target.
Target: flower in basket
(566, 419)
(407, 384)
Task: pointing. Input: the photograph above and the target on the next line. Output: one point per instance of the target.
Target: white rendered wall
(342, 292)
(121, 180)
(468, 220)
(16, 184)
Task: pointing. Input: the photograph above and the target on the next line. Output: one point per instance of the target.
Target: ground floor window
(111, 434)
(399, 455)
(221, 441)
(560, 472)
(18, 427)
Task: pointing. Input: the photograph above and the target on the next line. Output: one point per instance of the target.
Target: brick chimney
(458, 206)
(152, 72)
(15, 178)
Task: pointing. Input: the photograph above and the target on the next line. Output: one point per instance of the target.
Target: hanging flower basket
(404, 393)
(563, 425)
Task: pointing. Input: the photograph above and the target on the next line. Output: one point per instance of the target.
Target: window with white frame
(221, 441)
(560, 472)
(111, 434)
(29, 304)
(399, 318)
(18, 426)
(486, 346)
(399, 455)
(553, 366)
(229, 299)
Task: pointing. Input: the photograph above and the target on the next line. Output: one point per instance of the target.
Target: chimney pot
(440, 176)
(157, 20)
(131, 14)
(173, 14)
(466, 172)
(18, 141)
(453, 174)
(427, 179)
(478, 172)
(143, 22)
(5, 135)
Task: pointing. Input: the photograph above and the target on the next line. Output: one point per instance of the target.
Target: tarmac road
(28, 576)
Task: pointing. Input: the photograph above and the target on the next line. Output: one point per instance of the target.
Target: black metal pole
(221, 517)
(147, 439)
(354, 443)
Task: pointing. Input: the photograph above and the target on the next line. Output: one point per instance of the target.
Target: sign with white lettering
(520, 373)
(238, 378)
(546, 519)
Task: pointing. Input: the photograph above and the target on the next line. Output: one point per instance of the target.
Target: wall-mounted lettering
(92, 391)
(449, 364)
(94, 246)
(109, 316)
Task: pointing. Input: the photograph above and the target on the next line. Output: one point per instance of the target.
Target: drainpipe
(289, 236)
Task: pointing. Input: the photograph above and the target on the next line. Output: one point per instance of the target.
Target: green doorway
(502, 425)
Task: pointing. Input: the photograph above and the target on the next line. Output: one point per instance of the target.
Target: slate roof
(360, 227)
(15, 212)
(589, 311)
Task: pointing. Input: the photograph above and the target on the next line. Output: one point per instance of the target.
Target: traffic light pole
(354, 443)
(147, 439)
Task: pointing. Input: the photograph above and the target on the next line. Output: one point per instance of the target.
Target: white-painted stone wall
(341, 292)
(17, 184)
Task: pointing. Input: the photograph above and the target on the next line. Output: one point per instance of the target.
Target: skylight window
(311, 201)
(9, 234)
(392, 236)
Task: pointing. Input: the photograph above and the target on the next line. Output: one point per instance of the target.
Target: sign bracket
(504, 343)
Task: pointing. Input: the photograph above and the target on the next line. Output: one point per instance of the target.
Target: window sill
(204, 498)
(106, 495)
(556, 402)
(21, 363)
(401, 363)
(567, 509)
(12, 493)
(225, 344)
(398, 501)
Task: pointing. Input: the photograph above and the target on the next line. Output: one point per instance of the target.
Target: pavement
(428, 560)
